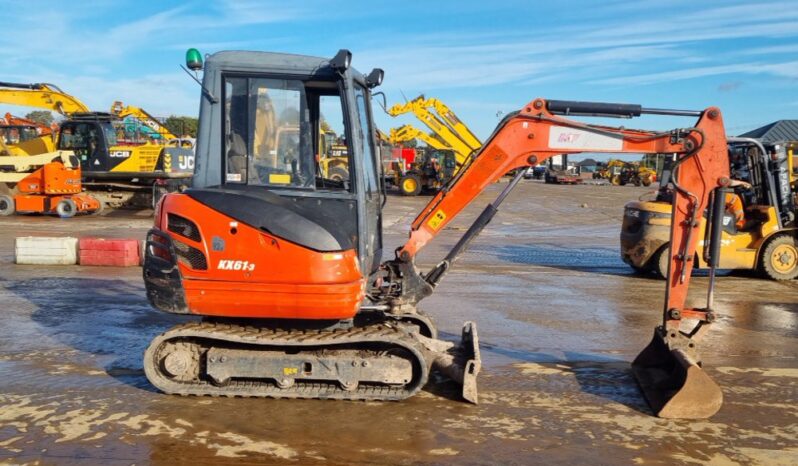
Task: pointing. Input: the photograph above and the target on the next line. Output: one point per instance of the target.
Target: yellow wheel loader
(766, 242)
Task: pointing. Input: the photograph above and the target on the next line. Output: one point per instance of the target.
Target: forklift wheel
(66, 208)
(779, 259)
(659, 262)
(410, 185)
(6, 205)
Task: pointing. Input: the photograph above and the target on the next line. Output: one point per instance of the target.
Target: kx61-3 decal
(225, 264)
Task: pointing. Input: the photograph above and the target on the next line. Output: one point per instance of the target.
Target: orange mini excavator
(285, 265)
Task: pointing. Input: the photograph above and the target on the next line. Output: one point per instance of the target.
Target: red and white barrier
(109, 252)
(30, 250)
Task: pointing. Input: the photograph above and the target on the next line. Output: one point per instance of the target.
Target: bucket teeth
(673, 382)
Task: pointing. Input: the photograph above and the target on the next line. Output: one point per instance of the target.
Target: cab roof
(249, 61)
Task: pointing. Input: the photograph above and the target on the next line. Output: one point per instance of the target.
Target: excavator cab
(271, 117)
(16, 134)
(90, 136)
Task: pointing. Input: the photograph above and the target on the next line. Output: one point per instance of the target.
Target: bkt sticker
(244, 266)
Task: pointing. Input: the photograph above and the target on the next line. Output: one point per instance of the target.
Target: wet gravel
(560, 317)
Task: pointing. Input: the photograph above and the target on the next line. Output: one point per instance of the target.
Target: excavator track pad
(386, 361)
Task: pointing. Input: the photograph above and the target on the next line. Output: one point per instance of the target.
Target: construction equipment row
(116, 173)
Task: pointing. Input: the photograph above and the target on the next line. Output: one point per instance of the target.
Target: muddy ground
(560, 318)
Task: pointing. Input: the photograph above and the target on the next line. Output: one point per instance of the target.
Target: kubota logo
(245, 266)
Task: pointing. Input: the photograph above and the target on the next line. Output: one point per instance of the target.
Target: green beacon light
(193, 59)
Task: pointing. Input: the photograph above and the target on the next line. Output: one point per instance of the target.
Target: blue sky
(481, 58)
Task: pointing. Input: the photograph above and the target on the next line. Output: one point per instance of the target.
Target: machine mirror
(193, 60)
(374, 78)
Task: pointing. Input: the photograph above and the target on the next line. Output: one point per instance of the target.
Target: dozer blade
(460, 363)
(673, 382)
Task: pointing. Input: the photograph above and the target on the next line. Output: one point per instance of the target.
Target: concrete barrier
(32, 250)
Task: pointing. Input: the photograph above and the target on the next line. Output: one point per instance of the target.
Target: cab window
(82, 138)
(282, 133)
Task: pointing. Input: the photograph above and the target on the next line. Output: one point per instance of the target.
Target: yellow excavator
(24, 139)
(119, 174)
(451, 144)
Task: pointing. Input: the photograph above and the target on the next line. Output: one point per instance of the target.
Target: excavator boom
(123, 111)
(40, 95)
(409, 132)
(669, 369)
(11, 120)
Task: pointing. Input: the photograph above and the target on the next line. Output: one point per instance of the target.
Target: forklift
(768, 240)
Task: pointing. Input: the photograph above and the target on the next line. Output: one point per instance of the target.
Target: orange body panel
(264, 300)
(52, 178)
(30, 203)
(253, 274)
(44, 204)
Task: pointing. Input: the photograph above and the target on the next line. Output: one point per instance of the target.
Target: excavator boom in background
(286, 267)
(443, 123)
(407, 133)
(42, 130)
(154, 128)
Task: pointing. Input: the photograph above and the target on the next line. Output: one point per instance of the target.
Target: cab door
(373, 199)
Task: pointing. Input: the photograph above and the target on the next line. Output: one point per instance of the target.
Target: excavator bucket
(673, 382)
(460, 363)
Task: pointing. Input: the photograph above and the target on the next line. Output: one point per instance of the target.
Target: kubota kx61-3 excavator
(284, 265)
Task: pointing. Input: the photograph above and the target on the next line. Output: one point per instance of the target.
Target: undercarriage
(371, 359)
